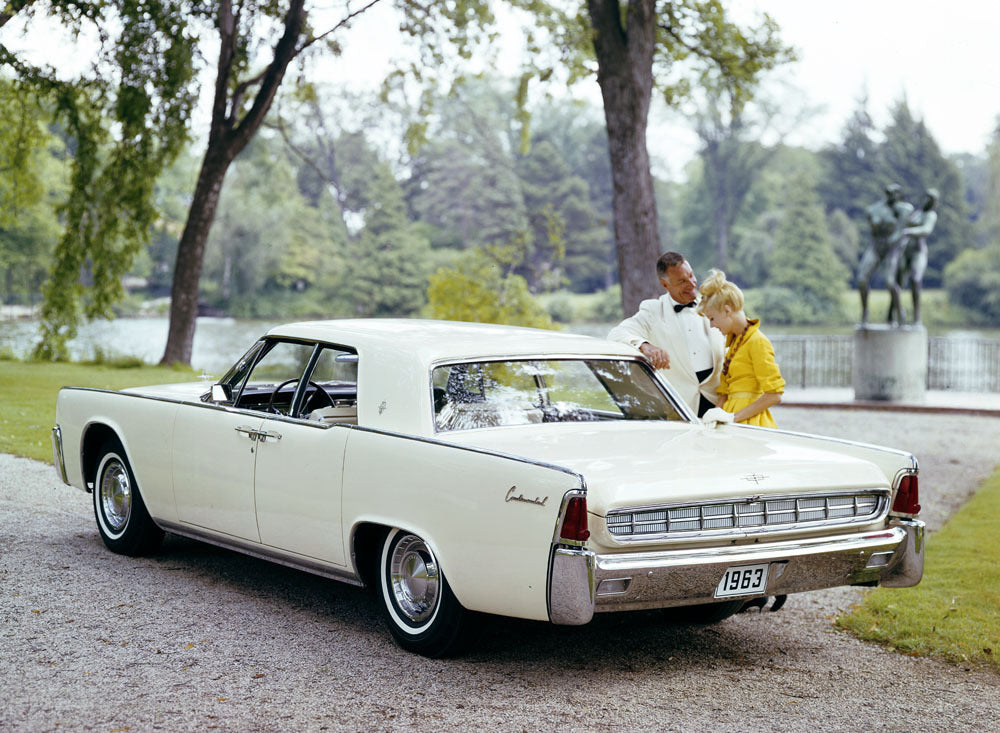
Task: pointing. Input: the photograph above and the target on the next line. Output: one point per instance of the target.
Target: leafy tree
(845, 238)
(637, 45)
(152, 59)
(734, 158)
(582, 143)
(806, 277)
(127, 120)
(30, 173)
(267, 239)
(172, 196)
(389, 257)
(755, 228)
(972, 279)
(853, 169)
(973, 282)
(567, 242)
(479, 288)
(463, 182)
(988, 224)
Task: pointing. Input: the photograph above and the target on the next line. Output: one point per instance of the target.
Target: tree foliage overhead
(32, 168)
(127, 118)
(634, 48)
(857, 170)
(806, 277)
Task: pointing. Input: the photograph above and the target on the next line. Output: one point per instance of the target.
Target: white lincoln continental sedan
(457, 467)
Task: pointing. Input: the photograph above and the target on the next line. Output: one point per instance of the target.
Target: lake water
(218, 342)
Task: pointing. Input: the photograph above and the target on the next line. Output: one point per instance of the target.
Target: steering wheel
(318, 391)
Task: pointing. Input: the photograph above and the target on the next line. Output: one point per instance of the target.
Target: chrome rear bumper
(583, 582)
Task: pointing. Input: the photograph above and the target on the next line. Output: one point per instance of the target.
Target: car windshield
(501, 393)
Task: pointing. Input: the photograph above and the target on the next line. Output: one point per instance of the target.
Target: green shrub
(560, 306)
(606, 306)
(973, 282)
(782, 305)
(475, 288)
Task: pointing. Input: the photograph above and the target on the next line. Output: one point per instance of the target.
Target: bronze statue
(907, 259)
(886, 218)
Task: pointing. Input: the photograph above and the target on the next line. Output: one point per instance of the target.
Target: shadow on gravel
(224, 581)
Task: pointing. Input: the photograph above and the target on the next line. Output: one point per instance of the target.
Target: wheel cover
(115, 495)
(414, 580)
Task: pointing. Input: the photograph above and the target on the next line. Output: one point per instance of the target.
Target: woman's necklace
(732, 349)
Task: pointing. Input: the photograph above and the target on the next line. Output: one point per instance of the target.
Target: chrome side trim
(338, 426)
(842, 441)
(58, 458)
(263, 552)
(469, 448)
(212, 406)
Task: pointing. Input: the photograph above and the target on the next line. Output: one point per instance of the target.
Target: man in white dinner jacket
(678, 341)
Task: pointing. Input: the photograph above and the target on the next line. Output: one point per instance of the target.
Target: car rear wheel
(422, 613)
(122, 519)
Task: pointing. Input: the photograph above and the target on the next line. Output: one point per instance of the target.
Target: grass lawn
(955, 611)
(28, 394)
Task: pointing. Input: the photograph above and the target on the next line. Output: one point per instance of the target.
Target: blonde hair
(716, 292)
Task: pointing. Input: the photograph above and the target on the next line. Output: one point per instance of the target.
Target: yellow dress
(752, 372)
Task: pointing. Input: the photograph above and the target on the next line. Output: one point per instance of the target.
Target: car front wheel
(122, 519)
(422, 613)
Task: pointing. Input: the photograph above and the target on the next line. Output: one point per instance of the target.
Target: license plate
(743, 580)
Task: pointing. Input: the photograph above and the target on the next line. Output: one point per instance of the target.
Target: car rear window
(485, 394)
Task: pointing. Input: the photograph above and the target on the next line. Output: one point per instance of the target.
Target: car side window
(271, 383)
(331, 395)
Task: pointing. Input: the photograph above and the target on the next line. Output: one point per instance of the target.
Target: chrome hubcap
(115, 495)
(413, 573)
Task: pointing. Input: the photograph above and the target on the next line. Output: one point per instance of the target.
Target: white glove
(717, 415)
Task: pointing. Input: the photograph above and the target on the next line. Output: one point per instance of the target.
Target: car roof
(397, 354)
(430, 340)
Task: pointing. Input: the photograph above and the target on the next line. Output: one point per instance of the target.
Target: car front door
(300, 461)
(215, 445)
(214, 452)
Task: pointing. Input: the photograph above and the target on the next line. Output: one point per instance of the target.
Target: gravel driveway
(202, 638)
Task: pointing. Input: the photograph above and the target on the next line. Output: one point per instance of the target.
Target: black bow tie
(678, 307)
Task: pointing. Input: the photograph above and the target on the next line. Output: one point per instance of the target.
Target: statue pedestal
(890, 363)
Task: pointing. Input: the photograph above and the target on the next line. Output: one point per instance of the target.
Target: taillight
(907, 496)
(574, 526)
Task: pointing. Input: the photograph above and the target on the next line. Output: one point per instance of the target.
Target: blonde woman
(750, 383)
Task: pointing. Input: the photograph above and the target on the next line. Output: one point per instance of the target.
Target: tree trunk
(190, 255)
(625, 75)
(228, 135)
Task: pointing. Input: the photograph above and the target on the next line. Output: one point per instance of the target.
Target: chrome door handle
(264, 435)
(251, 433)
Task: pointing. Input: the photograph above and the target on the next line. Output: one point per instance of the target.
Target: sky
(944, 58)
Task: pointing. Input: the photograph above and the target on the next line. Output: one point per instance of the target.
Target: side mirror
(222, 393)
